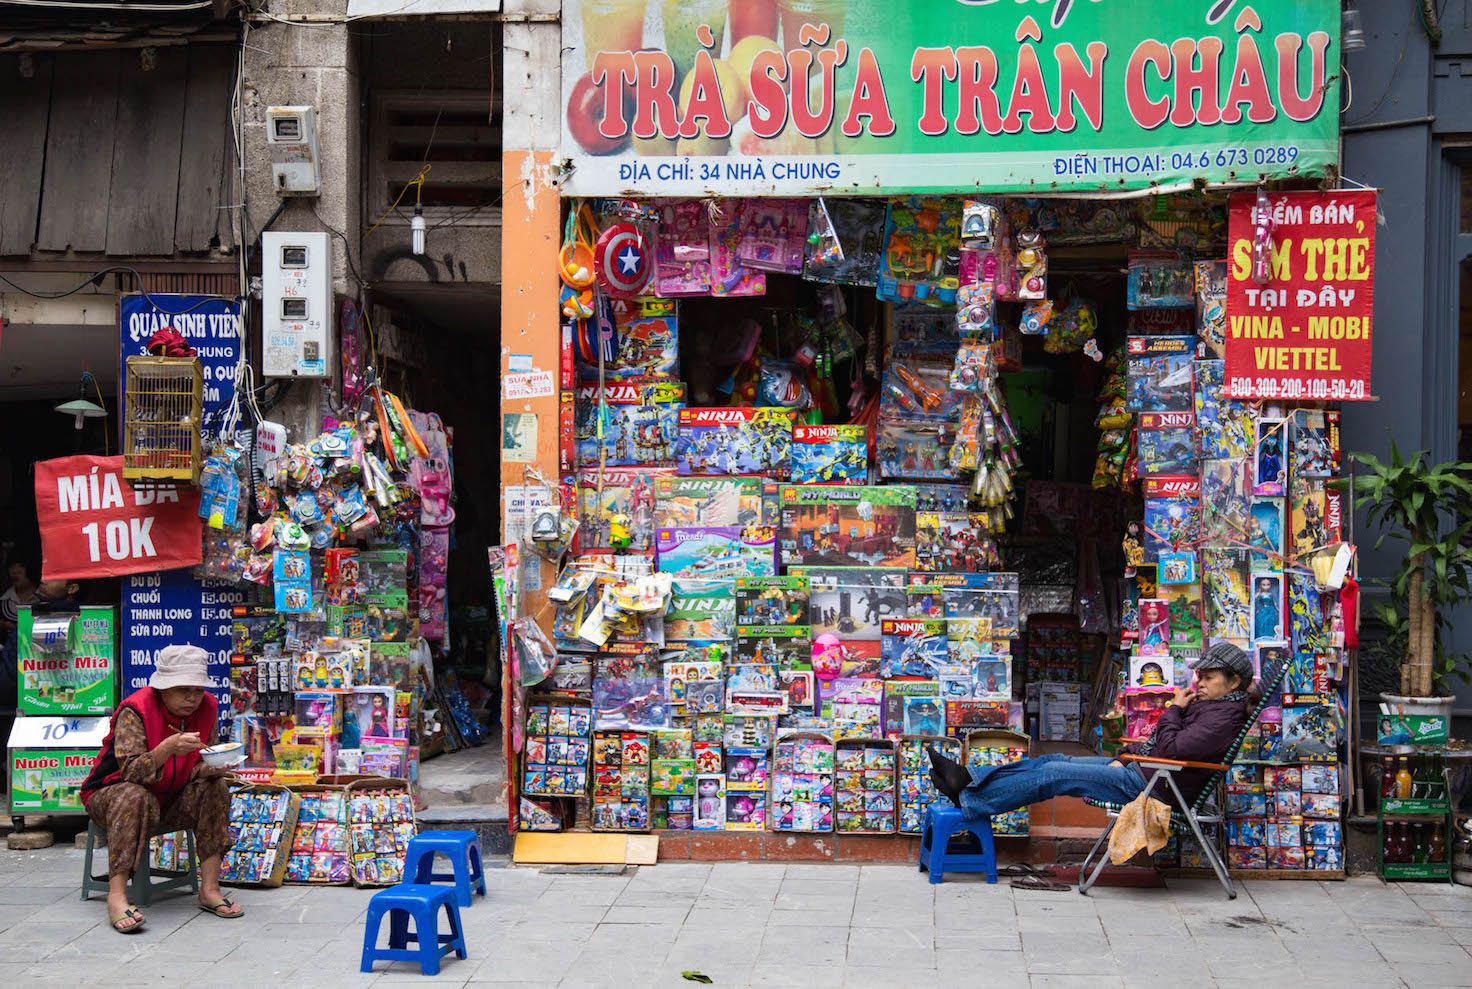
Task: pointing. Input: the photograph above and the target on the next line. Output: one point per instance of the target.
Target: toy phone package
(1160, 281)
(734, 440)
(830, 454)
(682, 249)
(848, 526)
(913, 647)
(922, 243)
(1167, 442)
(646, 341)
(716, 551)
(1315, 443)
(1211, 306)
(624, 507)
(641, 426)
(728, 276)
(1224, 426)
(1172, 513)
(859, 226)
(1160, 375)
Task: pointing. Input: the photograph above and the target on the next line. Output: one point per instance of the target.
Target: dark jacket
(1203, 732)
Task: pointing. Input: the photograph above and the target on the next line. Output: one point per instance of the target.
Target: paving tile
(983, 965)
(1067, 954)
(984, 940)
(779, 975)
(1413, 949)
(524, 961)
(1419, 975)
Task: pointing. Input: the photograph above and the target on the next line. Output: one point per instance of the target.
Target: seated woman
(1200, 725)
(149, 777)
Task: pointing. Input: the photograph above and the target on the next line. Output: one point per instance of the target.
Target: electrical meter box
(291, 134)
(48, 760)
(68, 661)
(296, 303)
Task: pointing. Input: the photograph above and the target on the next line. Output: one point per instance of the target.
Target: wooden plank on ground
(24, 106)
(84, 110)
(202, 157)
(585, 848)
(145, 155)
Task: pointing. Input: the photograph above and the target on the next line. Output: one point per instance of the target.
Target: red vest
(158, 724)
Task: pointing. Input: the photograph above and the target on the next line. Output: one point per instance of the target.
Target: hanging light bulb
(416, 226)
(1352, 29)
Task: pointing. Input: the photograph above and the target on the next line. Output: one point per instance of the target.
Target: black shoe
(947, 775)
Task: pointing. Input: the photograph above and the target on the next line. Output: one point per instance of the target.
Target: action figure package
(642, 423)
(734, 440)
(858, 225)
(772, 600)
(701, 610)
(922, 237)
(848, 526)
(1172, 513)
(1185, 605)
(830, 454)
(1160, 281)
(716, 552)
(851, 603)
(1224, 426)
(994, 597)
(620, 516)
(922, 332)
(1160, 374)
(913, 647)
(941, 497)
(1315, 443)
(1211, 306)
(647, 342)
(1307, 533)
(1225, 503)
(698, 501)
(1167, 443)
(1270, 458)
(916, 450)
(955, 541)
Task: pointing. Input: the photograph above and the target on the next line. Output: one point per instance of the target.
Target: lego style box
(67, 668)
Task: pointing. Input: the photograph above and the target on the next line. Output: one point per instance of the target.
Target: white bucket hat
(181, 666)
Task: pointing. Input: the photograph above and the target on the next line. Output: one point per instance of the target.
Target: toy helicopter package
(647, 338)
(830, 454)
(641, 425)
(734, 441)
(1160, 374)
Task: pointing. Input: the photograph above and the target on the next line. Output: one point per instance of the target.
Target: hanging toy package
(1032, 266)
(531, 651)
(773, 235)
(682, 250)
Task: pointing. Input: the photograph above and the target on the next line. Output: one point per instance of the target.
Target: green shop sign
(803, 97)
(68, 667)
(48, 780)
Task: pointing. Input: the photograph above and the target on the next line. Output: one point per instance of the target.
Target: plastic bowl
(224, 755)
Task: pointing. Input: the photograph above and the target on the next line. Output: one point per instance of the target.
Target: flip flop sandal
(1024, 869)
(1039, 883)
(224, 904)
(129, 914)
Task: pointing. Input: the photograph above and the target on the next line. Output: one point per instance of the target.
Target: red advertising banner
(1305, 335)
(93, 524)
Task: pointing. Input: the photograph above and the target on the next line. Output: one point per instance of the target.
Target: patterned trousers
(131, 814)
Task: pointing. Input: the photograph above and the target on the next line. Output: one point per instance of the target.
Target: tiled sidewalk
(806, 926)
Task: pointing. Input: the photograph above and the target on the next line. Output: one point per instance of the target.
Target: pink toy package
(774, 235)
(683, 250)
(728, 276)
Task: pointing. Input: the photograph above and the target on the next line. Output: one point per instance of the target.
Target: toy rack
(856, 781)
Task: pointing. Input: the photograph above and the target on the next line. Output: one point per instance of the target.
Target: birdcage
(161, 420)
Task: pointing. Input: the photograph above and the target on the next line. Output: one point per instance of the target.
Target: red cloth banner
(1305, 335)
(93, 524)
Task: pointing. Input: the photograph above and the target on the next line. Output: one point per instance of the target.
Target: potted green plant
(1429, 507)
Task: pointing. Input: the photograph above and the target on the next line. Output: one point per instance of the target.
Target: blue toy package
(1167, 442)
(1160, 281)
(641, 425)
(916, 450)
(912, 647)
(734, 441)
(1224, 426)
(1160, 374)
(830, 454)
(922, 242)
(941, 497)
(921, 331)
(1172, 514)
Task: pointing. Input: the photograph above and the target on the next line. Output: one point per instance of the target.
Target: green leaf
(690, 975)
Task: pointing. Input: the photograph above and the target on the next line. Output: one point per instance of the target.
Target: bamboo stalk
(1428, 645)
(1410, 670)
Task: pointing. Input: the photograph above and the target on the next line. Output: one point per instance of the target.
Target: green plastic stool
(143, 885)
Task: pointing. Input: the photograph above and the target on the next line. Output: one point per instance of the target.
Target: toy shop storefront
(881, 432)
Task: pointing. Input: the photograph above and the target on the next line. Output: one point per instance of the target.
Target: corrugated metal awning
(420, 8)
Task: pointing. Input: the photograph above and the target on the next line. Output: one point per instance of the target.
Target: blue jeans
(998, 789)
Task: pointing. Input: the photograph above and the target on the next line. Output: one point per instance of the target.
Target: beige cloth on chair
(1144, 823)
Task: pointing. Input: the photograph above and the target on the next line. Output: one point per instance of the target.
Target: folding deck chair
(1164, 770)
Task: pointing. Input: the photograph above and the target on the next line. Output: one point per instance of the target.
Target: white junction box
(295, 304)
(291, 134)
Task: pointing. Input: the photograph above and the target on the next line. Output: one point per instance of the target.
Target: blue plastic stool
(462, 848)
(941, 825)
(423, 903)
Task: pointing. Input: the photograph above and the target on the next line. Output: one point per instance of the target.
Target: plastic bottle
(1436, 845)
(1403, 781)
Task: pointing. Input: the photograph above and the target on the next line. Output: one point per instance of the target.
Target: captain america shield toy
(622, 261)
